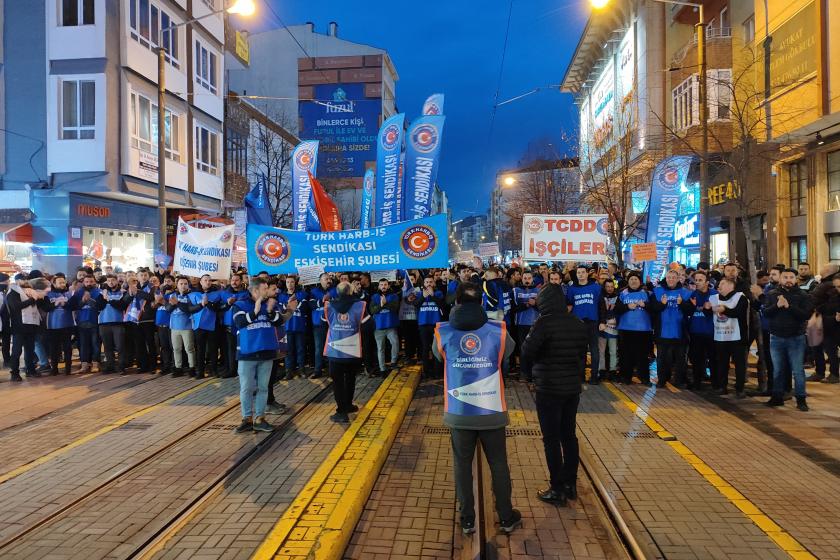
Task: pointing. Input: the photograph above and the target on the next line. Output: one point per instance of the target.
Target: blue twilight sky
(455, 47)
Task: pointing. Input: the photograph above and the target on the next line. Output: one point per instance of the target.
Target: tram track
(152, 542)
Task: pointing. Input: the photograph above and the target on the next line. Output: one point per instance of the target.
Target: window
(78, 110)
(798, 188)
(205, 68)
(798, 250)
(719, 85)
(749, 30)
(76, 12)
(210, 4)
(149, 24)
(236, 152)
(834, 180)
(834, 248)
(144, 128)
(684, 103)
(724, 19)
(206, 150)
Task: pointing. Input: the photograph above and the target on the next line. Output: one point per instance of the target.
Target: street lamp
(509, 181)
(704, 110)
(237, 7)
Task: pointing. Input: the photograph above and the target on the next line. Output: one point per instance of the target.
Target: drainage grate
(509, 432)
(639, 435)
(136, 426)
(436, 430)
(220, 427)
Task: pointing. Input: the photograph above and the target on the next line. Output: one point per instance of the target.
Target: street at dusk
(520, 279)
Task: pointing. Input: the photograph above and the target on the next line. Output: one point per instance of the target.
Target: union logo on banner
(534, 225)
(304, 159)
(418, 242)
(603, 226)
(669, 177)
(390, 136)
(272, 248)
(182, 228)
(226, 236)
(425, 138)
(432, 109)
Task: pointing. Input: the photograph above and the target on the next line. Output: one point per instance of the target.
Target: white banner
(565, 238)
(488, 249)
(377, 275)
(465, 257)
(310, 275)
(200, 251)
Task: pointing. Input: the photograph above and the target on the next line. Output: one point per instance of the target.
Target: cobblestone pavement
(411, 513)
(759, 458)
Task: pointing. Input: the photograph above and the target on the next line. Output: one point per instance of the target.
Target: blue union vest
(259, 335)
(472, 376)
(344, 339)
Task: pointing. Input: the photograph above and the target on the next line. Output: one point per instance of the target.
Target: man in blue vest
(583, 297)
(385, 307)
(430, 307)
(318, 296)
(701, 330)
(472, 349)
(344, 316)
(255, 319)
(60, 324)
(84, 301)
(113, 302)
(164, 338)
(203, 305)
(234, 292)
(526, 313)
(295, 327)
(670, 335)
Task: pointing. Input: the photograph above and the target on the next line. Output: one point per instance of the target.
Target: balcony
(718, 44)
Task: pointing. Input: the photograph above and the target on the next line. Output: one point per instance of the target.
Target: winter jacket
(386, 316)
(738, 312)
(556, 345)
(788, 321)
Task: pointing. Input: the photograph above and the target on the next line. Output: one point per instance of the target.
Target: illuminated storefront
(687, 228)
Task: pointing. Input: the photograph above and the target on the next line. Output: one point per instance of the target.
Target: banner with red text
(578, 238)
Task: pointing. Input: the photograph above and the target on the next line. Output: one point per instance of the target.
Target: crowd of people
(542, 324)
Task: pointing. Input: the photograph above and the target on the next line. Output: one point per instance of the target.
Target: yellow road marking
(93, 435)
(672, 388)
(320, 521)
(782, 538)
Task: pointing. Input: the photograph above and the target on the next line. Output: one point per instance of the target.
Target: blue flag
(304, 160)
(433, 105)
(422, 153)
(257, 210)
(313, 223)
(401, 190)
(665, 193)
(388, 147)
(367, 198)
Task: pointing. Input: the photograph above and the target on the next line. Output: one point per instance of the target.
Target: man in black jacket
(25, 317)
(5, 324)
(788, 309)
(557, 346)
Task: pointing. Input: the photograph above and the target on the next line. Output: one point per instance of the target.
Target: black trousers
(495, 449)
(6, 344)
(737, 352)
(557, 415)
(525, 364)
(24, 343)
(164, 337)
(343, 374)
(272, 380)
(230, 353)
(431, 367)
(135, 340)
(61, 342)
(701, 352)
(670, 359)
(148, 331)
(206, 353)
(113, 339)
(408, 334)
(633, 350)
(369, 356)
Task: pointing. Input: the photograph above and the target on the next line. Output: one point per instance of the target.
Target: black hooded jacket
(556, 345)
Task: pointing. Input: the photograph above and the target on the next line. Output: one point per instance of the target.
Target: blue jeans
(41, 349)
(296, 351)
(89, 348)
(788, 352)
(254, 375)
(319, 334)
(391, 335)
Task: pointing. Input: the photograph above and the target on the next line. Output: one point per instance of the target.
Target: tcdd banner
(665, 192)
(414, 244)
(580, 237)
(200, 251)
(304, 161)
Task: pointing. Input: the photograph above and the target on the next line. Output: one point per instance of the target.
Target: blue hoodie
(584, 300)
(671, 317)
(87, 314)
(633, 319)
(297, 322)
(204, 317)
(700, 322)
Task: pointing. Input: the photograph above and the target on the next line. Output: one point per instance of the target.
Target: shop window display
(123, 250)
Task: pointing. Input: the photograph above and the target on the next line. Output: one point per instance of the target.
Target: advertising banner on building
(577, 238)
(304, 161)
(388, 148)
(345, 122)
(665, 193)
(433, 104)
(200, 251)
(414, 244)
(367, 198)
(422, 153)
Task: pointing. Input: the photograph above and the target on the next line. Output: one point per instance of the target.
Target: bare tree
(270, 155)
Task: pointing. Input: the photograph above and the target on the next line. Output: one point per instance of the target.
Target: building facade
(469, 232)
(80, 105)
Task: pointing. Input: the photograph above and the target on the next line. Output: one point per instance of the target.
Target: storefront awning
(20, 233)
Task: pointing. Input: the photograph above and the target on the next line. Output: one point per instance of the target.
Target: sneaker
(552, 496)
(740, 395)
(509, 525)
(245, 426)
(801, 404)
(340, 418)
(815, 377)
(177, 372)
(276, 409)
(353, 408)
(316, 375)
(290, 375)
(775, 401)
(85, 368)
(262, 426)
(832, 379)
(17, 378)
(570, 490)
(468, 525)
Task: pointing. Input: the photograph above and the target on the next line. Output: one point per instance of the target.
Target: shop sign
(147, 166)
(243, 49)
(723, 192)
(687, 230)
(794, 49)
(91, 211)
